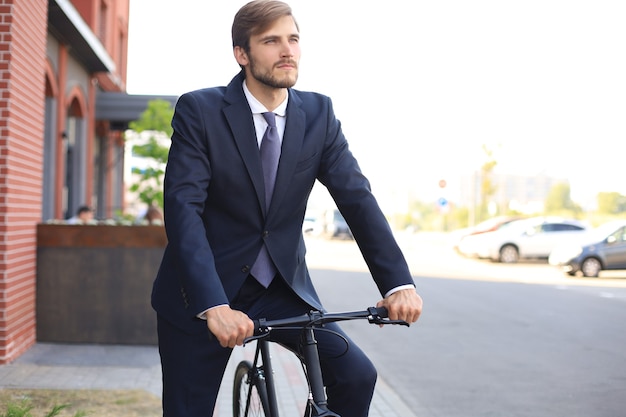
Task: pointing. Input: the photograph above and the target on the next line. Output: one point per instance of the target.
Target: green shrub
(23, 410)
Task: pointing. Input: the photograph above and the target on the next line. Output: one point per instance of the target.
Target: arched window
(50, 145)
(75, 150)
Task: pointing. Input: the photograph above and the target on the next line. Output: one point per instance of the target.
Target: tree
(156, 119)
(559, 201)
(487, 186)
(611, 203)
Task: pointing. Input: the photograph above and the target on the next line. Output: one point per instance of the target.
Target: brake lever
(378, 315)
(380, 320)
(257, 337)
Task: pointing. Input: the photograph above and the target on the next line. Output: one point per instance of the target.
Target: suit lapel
(239, 118)
(292, 144)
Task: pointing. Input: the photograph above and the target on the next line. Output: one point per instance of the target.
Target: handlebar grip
(380, 311)
(384, 314)
(257, 327)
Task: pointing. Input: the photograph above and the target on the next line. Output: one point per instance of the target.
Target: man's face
(274, 55)
(86, 216)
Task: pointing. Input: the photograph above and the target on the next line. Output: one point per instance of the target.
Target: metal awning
(121, 108)
(66, 24)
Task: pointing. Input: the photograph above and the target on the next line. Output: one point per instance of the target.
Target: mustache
(288, 62)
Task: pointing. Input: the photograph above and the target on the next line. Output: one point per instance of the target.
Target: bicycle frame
(310, 358)
(262, 372)
(317, 401)
(263, 350)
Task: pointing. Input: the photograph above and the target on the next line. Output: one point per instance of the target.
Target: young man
(230, 226)
(84, 215)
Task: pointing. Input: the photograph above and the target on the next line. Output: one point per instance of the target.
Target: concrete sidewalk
(68, 366)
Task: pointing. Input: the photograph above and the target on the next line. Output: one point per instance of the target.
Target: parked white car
(535, 237)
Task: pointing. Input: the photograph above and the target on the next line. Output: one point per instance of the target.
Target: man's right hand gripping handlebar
(230, 327)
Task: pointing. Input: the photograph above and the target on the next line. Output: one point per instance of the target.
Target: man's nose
(288, 49)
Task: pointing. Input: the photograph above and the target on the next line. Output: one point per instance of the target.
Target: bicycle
(254, 392)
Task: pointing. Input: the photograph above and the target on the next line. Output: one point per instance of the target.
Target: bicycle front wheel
(249, 392)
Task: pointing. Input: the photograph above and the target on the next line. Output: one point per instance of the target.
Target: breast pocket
(307, 163)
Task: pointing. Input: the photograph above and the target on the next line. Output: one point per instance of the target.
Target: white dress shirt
(260, 125)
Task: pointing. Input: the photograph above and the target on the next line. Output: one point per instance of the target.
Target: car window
(618, 236)
(560, 227)
(572, 227)
(552, 227)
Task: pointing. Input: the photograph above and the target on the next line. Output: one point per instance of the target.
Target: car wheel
(509, 254)
(591, 267)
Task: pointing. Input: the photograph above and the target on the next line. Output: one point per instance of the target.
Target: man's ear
(241, 56)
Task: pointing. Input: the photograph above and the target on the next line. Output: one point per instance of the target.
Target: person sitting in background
(84, 215)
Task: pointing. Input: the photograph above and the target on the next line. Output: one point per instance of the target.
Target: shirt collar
(258, 108)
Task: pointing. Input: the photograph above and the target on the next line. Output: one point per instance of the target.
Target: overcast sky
(421, 86)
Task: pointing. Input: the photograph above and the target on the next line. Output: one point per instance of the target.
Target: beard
(266, 77)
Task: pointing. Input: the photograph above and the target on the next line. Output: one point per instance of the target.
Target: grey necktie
(263, 269)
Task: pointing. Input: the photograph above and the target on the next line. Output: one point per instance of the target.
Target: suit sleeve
(187, 178)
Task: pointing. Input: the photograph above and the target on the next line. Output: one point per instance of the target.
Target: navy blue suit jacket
(215, 203)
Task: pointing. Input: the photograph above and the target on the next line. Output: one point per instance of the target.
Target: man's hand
(403, 305)
(229, 326)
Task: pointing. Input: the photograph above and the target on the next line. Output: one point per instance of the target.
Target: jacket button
(265, 233)
(245, 269)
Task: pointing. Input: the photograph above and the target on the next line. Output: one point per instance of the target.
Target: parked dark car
(335, 225)
(604, 249)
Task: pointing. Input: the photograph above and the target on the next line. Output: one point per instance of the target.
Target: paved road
(494, 340)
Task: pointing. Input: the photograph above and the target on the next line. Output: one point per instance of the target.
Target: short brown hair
(254, 18)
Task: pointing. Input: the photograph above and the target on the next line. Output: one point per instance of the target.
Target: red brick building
(63, 111)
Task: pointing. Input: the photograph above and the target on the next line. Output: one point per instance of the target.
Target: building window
(103, 19)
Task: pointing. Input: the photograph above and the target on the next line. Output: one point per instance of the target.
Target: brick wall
(23, 26)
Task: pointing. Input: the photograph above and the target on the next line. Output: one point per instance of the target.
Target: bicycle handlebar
(374, 315)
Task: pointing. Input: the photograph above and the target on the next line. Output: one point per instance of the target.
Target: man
(84, 215)
(222, 223)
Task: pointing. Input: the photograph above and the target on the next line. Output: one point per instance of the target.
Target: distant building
(523, 193)
(63, 111)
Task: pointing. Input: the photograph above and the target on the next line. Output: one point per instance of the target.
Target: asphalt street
(494, 339)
